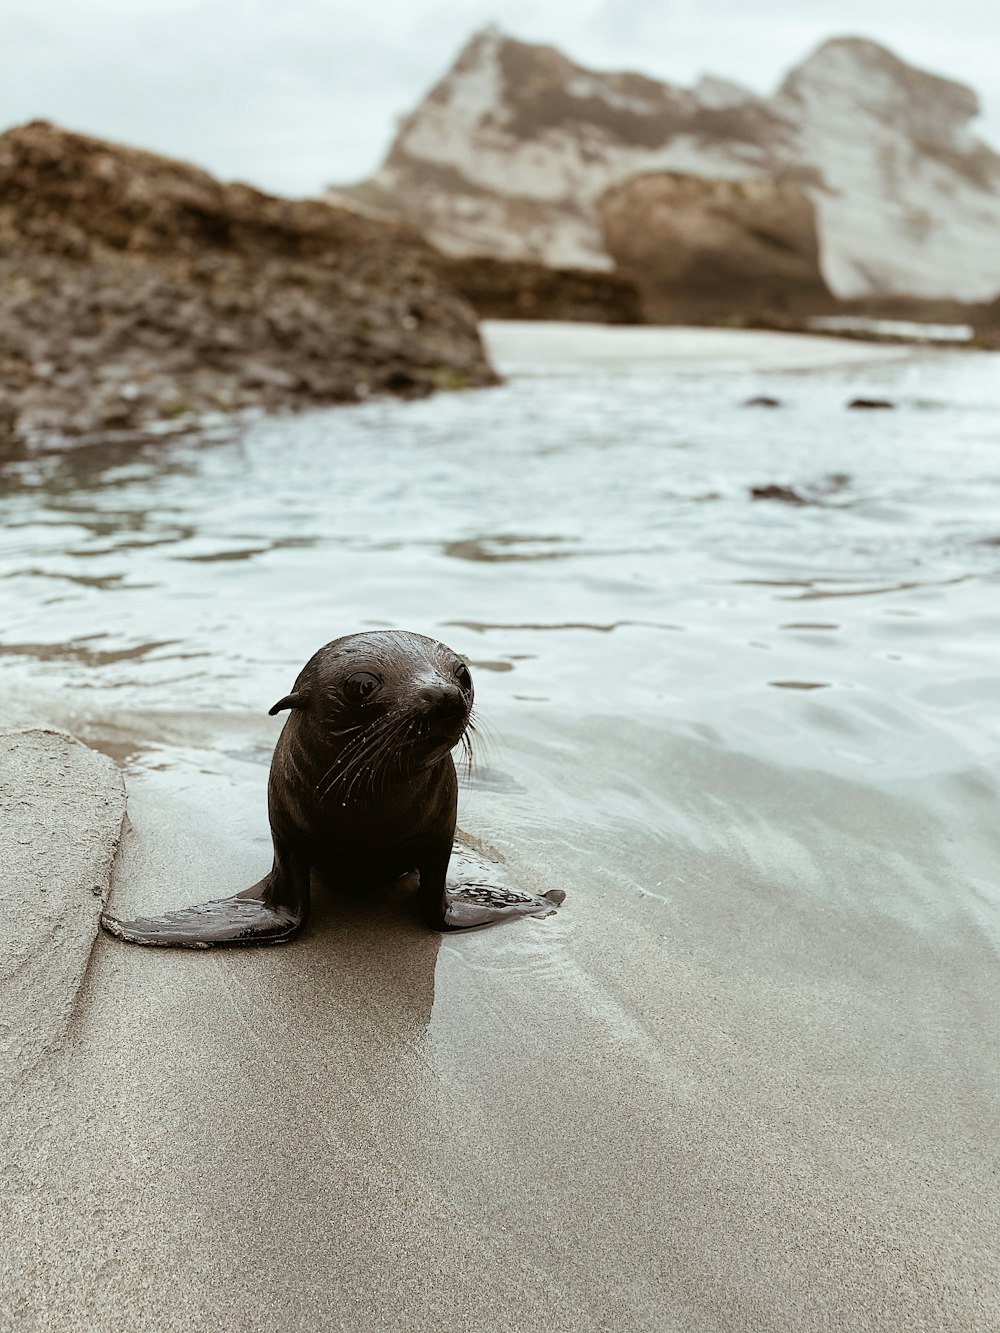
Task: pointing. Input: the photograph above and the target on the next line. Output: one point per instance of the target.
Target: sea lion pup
(363, 787)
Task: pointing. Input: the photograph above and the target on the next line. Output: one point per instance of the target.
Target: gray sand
(772, 1109)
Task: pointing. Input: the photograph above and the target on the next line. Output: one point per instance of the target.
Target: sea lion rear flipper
(269, 912)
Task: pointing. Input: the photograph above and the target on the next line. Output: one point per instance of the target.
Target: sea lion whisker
(368, 757)
(344, 755)
(485, 740)
(394, 761)
(349, 762)
(468, 751)
(366, 732)
(392, 751)
(337, 732)
(351, 755)
(382, 745)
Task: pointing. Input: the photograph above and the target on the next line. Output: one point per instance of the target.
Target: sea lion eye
(463, 676)
(361, 686)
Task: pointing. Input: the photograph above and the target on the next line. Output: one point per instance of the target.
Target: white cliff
(510, 153)
(910, 198)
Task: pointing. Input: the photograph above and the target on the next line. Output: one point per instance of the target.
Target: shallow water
(586, 534)
(747, 1076)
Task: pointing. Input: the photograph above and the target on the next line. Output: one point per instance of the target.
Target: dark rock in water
(517, 289)
(762, 400)
(135, 289)
(786, 494)
(818, 493)
(871, 404)
(699, 247)
(835, 481)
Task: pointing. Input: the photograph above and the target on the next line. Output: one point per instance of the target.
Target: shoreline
(534, 348)
(745, 1078)
(524, 347)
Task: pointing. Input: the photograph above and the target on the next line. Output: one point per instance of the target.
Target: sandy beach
(523, 346)
(745, 1080)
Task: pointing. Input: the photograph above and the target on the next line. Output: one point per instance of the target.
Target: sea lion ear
(297, 699)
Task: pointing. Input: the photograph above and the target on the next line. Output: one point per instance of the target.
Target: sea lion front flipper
(269, 912)
(226, 921)
(477, 904)
(475, 894)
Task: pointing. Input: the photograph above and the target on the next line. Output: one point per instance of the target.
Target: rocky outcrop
(701, 247)
(516, 289)
(986, 326)
(135, 289)
(61, 812)
(511, 152)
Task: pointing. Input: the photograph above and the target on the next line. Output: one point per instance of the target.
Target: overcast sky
(295, 94)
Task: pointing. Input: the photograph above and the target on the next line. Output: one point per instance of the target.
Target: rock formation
(700, 245)
(517, 289)
(986, 326)
(135, 289)
(61, 812)
(510, 153)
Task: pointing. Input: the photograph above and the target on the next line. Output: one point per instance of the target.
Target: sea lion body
(362, 788)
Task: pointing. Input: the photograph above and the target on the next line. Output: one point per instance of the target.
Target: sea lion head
(388, 698)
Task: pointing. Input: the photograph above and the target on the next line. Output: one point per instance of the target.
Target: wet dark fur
(363, 789)
(367, 791)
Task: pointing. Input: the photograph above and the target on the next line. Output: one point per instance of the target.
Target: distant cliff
(135, 289)
(511, 152)
(699, 246)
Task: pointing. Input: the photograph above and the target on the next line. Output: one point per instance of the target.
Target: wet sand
(746, 1079)
(768, 1103)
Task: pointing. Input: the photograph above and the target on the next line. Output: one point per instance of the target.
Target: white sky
(295, 94)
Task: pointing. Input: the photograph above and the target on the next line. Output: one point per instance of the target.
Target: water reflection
(820, 589)
(507, 546)
(810, 625)
(281, 543)
(482, 627)
(102, 582)
(105, 463)
(79, 650)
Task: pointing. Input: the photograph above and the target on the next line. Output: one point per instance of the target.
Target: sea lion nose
(439, 696)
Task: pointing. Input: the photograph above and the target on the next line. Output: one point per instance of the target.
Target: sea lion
(362, 787)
